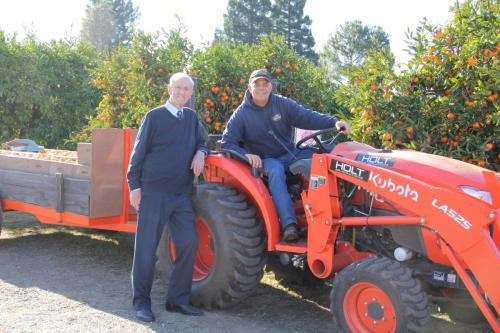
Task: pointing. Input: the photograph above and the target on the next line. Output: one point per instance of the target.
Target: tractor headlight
(477, 193)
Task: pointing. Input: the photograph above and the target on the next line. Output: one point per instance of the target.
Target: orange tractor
(396, 229)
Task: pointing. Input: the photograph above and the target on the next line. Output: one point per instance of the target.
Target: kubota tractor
(396, 229)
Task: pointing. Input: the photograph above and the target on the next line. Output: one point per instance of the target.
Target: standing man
(169, 152)
(263, 122)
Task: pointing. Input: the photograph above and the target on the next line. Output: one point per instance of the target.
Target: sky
(56, 19)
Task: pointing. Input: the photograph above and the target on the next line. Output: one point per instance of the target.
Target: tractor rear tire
(234, 243)
(379, 295)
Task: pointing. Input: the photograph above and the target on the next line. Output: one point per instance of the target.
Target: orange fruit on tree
(481, 163)
(471, 62)
(373, 87)
(215, 89)
(409, 130)
(490, 146)
(469, 103)
(450, 116)
(387, 136)
(492, 98)
(476, 125)
(444, 139)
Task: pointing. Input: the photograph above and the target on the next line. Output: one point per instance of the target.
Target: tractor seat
(301, 167)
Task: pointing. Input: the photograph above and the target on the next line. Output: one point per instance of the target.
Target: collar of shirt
(172, 109)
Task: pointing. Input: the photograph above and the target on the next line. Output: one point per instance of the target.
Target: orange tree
(134, 79)
(222, 71)
(446, 99)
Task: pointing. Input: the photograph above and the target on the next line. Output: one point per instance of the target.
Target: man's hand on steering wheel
(343, 127)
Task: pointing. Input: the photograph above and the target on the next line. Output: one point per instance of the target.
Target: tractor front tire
(379, 295)
(231, 255)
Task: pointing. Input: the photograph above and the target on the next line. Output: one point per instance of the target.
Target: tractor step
(297, 247)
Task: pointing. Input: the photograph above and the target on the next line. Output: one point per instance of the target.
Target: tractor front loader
(396, 229)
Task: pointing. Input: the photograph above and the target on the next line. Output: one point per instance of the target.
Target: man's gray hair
(177, 76)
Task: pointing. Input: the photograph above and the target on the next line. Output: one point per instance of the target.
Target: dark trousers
(156, 210)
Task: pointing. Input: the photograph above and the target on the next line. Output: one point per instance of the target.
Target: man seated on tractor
(263, 123)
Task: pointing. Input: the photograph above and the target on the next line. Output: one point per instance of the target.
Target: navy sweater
(252, 125)
(163, 152)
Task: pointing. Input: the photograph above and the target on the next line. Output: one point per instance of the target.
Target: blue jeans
(275, 169)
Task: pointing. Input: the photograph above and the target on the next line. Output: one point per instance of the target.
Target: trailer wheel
(231, 252)
(379, 295)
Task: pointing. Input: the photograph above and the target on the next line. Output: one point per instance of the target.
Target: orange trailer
(90, 194)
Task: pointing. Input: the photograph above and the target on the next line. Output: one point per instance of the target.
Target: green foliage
(45, 89)
(125, 18)
(98, 25)
(349, 46)
(108, 23)
(290, 22)
(446, 101)
(135, 79)
(246, 20)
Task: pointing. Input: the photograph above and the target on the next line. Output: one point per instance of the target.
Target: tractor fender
(221, 169)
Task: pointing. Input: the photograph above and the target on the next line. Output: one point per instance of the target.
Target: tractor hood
(432, 169)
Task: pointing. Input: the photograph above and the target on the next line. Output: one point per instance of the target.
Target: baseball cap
(260, 74)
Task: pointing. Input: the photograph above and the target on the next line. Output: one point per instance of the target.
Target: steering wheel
(319, 145)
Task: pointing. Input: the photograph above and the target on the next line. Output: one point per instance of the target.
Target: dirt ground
(55, 279)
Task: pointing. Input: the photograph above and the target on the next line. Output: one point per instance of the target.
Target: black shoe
(145, 315)
(187, 310)
(290, 233)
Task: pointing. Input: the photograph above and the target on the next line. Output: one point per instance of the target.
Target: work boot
(290, 233)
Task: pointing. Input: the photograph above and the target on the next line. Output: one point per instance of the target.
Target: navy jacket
(163, 152)
(261, 128)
